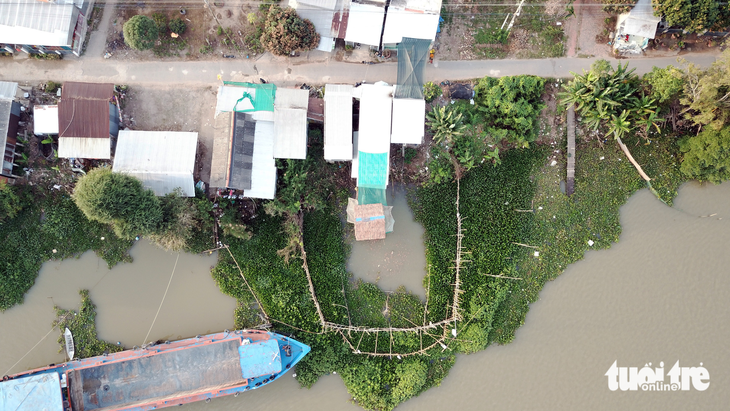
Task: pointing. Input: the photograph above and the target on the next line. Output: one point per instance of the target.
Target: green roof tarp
(372, 170)
(412, 55)
(263, 101)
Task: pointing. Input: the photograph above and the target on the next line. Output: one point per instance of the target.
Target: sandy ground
(581, 30)
(175, 109)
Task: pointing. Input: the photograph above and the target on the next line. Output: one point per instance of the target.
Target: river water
(660, 294)
(400, 259)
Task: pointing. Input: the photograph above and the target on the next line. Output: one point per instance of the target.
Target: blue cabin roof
(260, 358)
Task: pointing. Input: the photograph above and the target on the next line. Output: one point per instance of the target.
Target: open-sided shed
(163, 160)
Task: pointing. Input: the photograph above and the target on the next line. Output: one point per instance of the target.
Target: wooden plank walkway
(570, 183)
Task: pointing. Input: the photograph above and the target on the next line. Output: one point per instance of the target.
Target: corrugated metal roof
(338, 122)
(37, 22)
(84, 110)
(8, 89)
(37, 392)
(409, 117)
(323, 4)
(163, 160)
(5, 107)
(375, 118)
(365, 24)
(315, 110)
(355, 167)
(80, 147)
(408, 23)
(320, 17)
(427, 6)
(263, 176)
(290, 123)
(641, 20)
(243, 141)
(222, 139)
(45, 120)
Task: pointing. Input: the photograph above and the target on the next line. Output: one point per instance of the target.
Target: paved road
(192, 73)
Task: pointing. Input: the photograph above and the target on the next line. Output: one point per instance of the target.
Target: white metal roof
(355, 159)
(641, 20)
(375, 118)
(320, 17)
(163, 160)
(290, 123)
(228, 96)
(365, 24)
(36, 392)
(409, 23)
(45, 120)
(338, 122)
(409, 116)
(8, 89)
(326, 44)
(263, 171)
(38, 22)
(83, 147)
(323, 4)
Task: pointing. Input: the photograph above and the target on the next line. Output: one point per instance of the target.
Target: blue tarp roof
(35, 393)
(260, 358)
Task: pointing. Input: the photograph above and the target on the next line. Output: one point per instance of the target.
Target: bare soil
(201, 39)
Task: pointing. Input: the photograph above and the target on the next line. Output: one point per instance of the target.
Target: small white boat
(69, 344)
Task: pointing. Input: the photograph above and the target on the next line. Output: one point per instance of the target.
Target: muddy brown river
(659, 295)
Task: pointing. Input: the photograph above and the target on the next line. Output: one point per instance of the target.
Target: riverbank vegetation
(82, 325)
(497, 222)
(45, 224)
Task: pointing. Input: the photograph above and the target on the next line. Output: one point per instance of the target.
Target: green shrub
(140, 32)
(491, 36)
(410, 154)
(431, 91)
(120, 200)
(177, 26)
(160, 20)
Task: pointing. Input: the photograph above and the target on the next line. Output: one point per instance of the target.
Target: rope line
(163, 299)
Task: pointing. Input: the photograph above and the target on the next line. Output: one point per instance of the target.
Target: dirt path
(97, 43)
(581, 31)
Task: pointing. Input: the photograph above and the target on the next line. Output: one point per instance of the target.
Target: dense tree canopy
(694, 16)
(707, 93)
(284, 32)
(666, 83)
(140, 32)
(618, 6)
(120, 200)
(707, 155)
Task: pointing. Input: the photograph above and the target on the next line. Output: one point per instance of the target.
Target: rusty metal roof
(84, 110)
